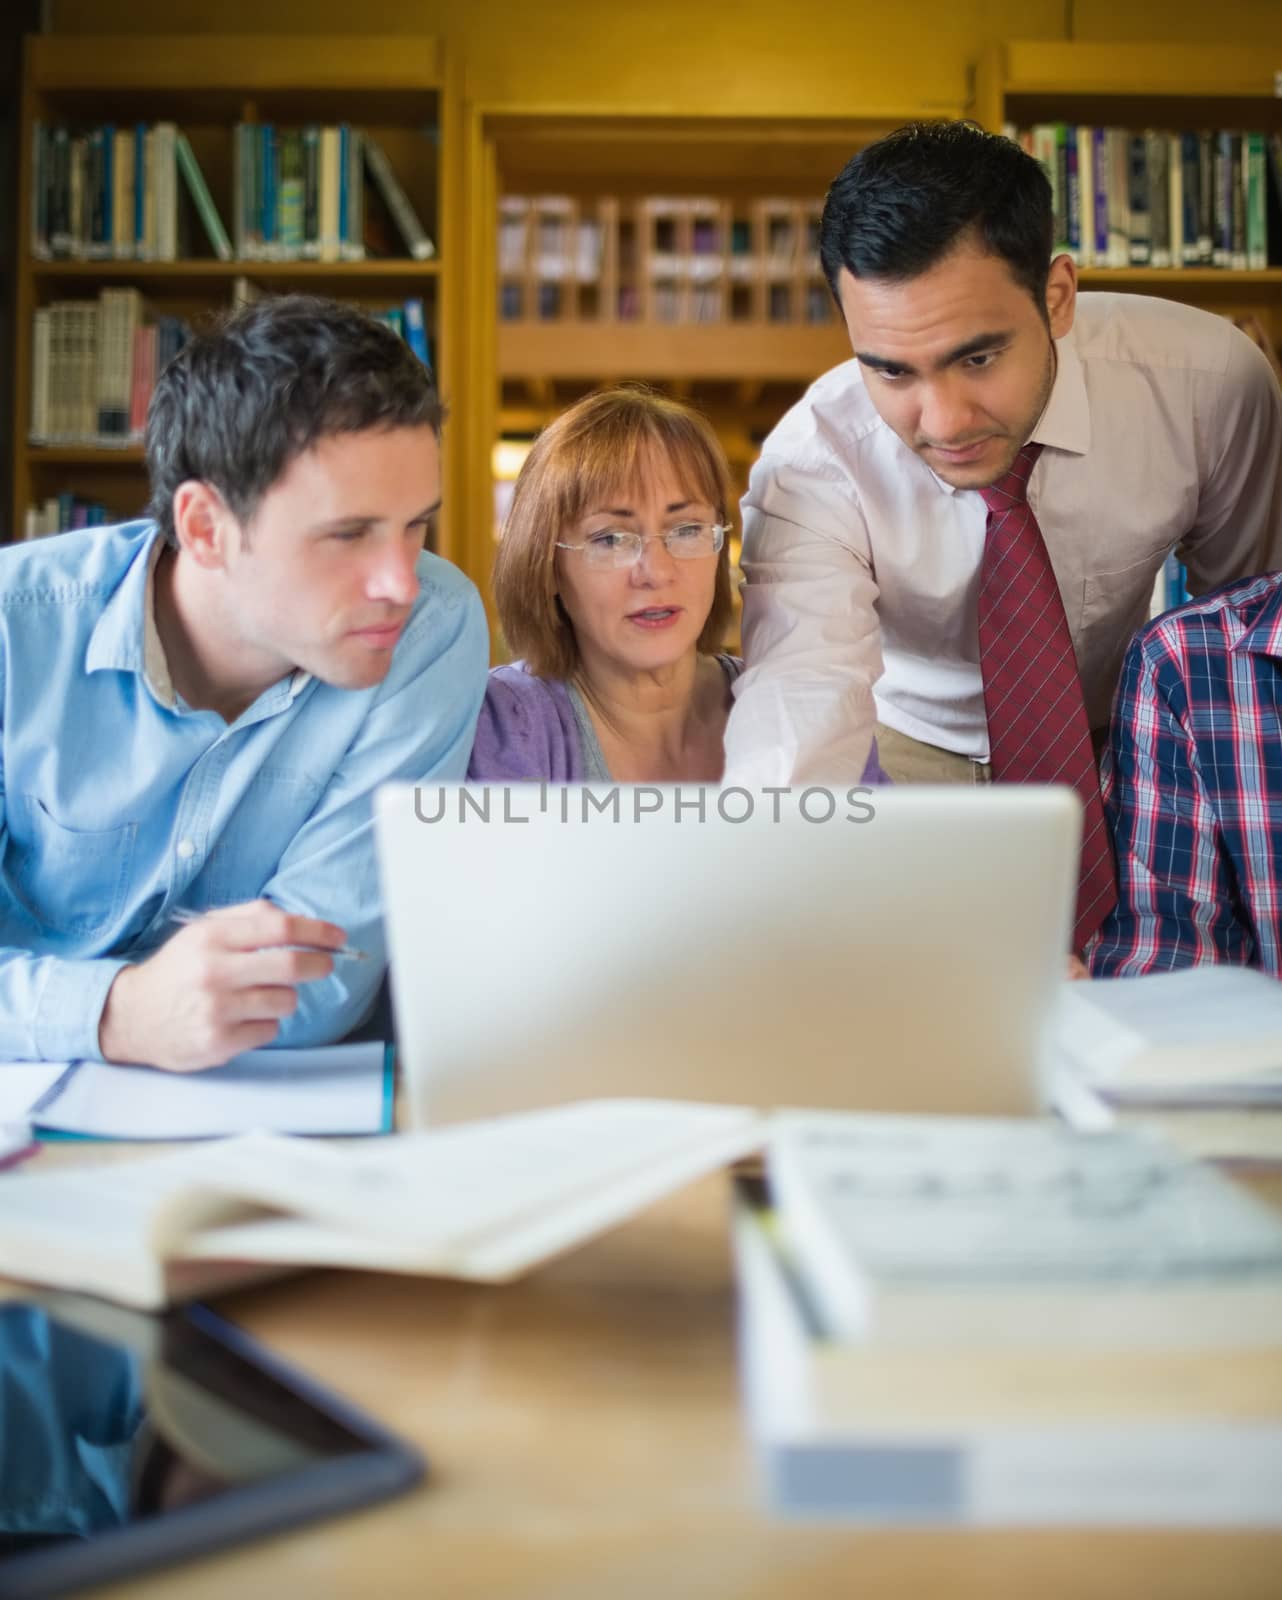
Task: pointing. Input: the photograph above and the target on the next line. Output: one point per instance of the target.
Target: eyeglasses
(620, 547)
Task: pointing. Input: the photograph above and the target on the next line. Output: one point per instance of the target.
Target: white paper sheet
(336, 1090)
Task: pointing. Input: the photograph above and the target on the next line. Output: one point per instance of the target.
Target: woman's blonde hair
(603, 444)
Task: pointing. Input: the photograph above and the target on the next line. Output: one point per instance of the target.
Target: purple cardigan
(527, 733)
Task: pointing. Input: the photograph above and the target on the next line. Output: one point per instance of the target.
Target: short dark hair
(265, 383)
(904, 203)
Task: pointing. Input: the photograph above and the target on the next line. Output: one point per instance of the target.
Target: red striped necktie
(1037, 727)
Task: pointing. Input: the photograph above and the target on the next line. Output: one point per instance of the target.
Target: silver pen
(345, 952)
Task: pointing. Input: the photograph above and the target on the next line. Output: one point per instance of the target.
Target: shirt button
(186, 849)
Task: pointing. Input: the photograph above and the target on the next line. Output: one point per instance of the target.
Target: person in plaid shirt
(1192, 785)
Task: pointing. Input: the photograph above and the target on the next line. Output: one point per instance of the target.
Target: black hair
(265, 383)
(904, 203)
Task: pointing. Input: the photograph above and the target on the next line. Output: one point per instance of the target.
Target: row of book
(297, 195)
(62, 513)
(1162, 199)
(699, 238)
(112, 194)
(95, 363)
(661, 258)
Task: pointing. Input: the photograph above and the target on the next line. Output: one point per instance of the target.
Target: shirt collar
(1065, 423)
(126, 639)
(1262, 636)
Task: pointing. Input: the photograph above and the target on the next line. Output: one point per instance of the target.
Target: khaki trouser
(906, 760)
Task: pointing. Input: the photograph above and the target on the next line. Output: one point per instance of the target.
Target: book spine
(102, 363)
(1159, 193)
(344, 189)
(1073, 192)
(329, 240)
(39, 431)
(311, 193)
(1257, 237)
(97, 198)
(87, 336)
(165, 162)
(1206, 199)
(122, 237)
(1119, 197)
(105, 239)
(77, 191)
(1237, 201)
(201, 197)
(141, 174)
(290, 198)
(416, 330)
(1100, 199)
(1190, 168)
(411, 229)
(1223, 182)
(1140, 237)
(354, 236)
(1175, 198)
(267, 192)
(252, 179)
(38, 220)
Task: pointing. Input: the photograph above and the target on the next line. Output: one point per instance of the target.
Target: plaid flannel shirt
(1192, 786)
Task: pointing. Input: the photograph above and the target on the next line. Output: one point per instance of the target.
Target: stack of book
(61, 513)
(954, 1320)
(112, 193)
(1196, 1053)
(298, 194)
(1162, 199)
(94, 366)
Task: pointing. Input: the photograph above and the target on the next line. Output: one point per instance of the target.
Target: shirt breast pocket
(68, 881)
(1118, 602)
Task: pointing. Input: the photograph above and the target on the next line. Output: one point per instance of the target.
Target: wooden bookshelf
(395, 87)
(1140, 87)
(678, 251)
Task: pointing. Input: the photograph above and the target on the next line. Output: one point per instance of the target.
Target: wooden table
(586, 1444)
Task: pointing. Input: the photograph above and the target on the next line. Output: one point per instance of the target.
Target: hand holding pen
(220, 985)
(184, 916)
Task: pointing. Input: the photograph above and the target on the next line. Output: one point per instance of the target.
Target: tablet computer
(128, 1442)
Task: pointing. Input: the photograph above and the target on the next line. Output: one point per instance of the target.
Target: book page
(483, 1199)
(89, 1228)
(434, 1197)
(977, 1201)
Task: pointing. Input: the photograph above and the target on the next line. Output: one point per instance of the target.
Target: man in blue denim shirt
(197, 709)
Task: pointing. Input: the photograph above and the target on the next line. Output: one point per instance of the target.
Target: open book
(482, 1200)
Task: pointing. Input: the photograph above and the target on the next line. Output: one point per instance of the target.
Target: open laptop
(895, 949)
